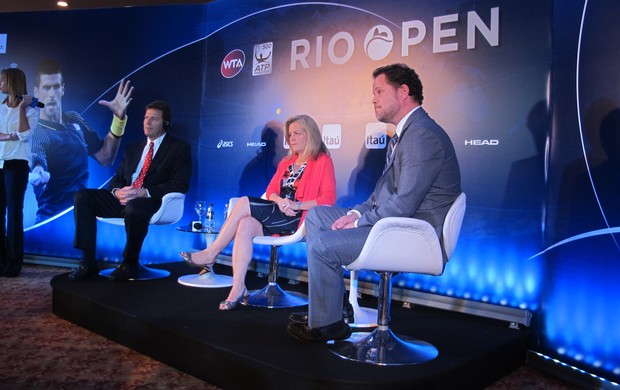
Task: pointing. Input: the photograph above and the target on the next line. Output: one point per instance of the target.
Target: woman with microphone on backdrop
(304, 179)
(18, 116)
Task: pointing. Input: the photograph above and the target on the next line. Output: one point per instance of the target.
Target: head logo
(378, 42)
(232, 63)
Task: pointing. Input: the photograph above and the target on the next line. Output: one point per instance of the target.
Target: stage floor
(250, 348)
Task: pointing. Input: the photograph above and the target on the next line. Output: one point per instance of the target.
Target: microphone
(34, 103)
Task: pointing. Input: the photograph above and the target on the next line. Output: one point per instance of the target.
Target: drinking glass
(201, 209)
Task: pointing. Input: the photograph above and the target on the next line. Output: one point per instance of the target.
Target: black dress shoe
(125, 271)
(299, 316)
(83, 271)
(336, 331)
(302, 316)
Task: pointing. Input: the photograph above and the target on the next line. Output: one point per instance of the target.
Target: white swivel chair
(400, 245)
(170, 212)
(272, 295)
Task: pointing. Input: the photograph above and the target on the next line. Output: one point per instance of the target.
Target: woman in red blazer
(303, 179)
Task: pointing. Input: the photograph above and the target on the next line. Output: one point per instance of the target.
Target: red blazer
(318, 181)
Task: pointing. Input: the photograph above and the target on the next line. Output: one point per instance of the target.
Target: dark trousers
(92, 203)
(13, 181)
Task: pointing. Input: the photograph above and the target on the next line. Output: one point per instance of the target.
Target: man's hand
(118, 106)
(125, 194)
(345, 222)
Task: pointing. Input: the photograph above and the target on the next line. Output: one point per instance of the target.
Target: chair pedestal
(381, 346)
(145, 273)
(273, 296)
(384, 348)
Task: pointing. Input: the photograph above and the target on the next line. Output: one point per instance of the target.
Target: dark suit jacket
(424, 179)
(170, 170)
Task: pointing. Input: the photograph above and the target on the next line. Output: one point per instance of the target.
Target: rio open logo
(232, 63)
(378, 42)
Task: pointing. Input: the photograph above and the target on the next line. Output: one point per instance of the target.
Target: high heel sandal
(231, 305)
(205, 270)
(187, 257)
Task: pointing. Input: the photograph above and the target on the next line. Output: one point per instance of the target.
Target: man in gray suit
(421, 180)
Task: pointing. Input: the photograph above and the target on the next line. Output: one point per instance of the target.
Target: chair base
(145, 273)
(207, 280)
(382, 347)
(272, 296)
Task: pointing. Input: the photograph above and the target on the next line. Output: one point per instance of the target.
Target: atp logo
(232, 63)
(261, 63)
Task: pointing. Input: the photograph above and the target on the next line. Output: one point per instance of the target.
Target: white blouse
(9, 123)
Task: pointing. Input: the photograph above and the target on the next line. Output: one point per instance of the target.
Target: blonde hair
(315, 145)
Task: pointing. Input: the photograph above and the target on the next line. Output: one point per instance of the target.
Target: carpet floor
(42, 351)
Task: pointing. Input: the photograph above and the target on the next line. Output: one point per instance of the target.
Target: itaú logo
(481, 142)
(232, 63)
(224, 144)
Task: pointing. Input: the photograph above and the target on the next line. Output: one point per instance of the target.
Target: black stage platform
(250, 348)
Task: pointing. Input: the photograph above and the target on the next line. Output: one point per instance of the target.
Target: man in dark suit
(421, 180)
(149, 171)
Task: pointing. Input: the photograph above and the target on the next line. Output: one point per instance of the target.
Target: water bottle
(210, 222)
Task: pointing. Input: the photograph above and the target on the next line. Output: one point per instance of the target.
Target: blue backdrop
(233, 71)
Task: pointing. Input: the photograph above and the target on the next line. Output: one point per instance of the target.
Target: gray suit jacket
(423, 180)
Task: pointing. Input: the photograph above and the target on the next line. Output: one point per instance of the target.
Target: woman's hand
(25, 102)
(288, 207)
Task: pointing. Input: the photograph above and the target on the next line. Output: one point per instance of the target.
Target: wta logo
(232, 63)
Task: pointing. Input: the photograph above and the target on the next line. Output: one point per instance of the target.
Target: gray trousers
(328, 251)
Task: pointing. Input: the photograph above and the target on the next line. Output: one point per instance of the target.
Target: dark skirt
(273, 220)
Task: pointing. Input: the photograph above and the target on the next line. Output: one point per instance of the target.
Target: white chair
(170, 212)
(272, 295)
(400, 245)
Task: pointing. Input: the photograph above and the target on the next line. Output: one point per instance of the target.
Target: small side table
(209, 279)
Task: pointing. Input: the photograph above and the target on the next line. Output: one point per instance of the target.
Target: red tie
(147, 162)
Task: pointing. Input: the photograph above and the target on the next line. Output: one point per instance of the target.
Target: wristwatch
(298, 203)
